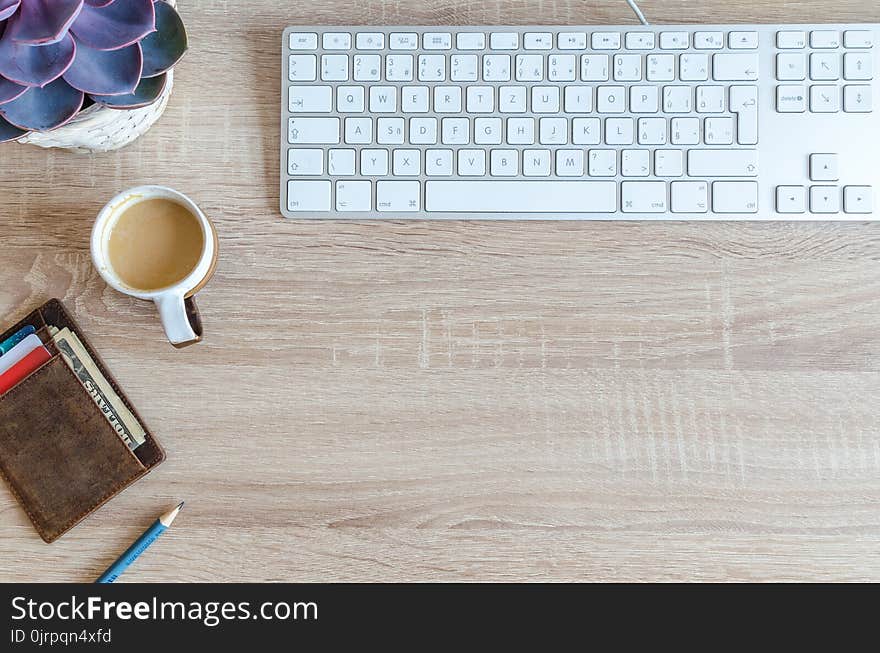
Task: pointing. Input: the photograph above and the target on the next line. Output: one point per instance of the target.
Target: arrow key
(791, 199)
(823, 167)
(858, 199)
(824, 199)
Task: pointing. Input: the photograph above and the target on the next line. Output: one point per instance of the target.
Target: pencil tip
(180, 505)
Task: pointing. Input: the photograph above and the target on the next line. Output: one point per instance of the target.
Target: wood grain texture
(478, 401)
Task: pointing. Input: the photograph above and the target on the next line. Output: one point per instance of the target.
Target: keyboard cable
(638, 12)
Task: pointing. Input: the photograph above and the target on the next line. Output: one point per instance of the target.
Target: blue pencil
(140, 545)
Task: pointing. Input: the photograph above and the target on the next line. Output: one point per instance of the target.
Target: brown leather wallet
(58, 453)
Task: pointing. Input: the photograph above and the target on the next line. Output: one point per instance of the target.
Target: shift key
(723, 163)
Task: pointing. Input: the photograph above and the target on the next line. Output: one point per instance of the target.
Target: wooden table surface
(461, 400)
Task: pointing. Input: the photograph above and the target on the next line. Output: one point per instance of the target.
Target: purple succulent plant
(57, 56)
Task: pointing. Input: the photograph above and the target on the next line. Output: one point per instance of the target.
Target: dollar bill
(80, 362)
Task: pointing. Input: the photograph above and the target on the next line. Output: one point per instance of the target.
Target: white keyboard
(681, 122)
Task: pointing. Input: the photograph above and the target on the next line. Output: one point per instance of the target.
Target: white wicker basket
(99, 129)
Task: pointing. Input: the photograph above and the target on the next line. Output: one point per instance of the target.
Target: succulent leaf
(163, 48)
(10, 90)
(9, 132)
(35, 66)
(147, 92)
(41, 109)
(40, 22)
(8, 7)
(105, 72)
(116, 25)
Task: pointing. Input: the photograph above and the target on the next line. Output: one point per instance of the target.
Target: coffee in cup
(154, 243)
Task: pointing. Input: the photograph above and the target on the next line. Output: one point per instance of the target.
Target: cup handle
(181, 319)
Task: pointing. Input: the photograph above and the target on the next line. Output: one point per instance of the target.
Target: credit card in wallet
(18, 352)
(16, 338)
(17, 373)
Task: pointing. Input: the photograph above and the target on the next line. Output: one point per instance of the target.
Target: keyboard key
(414, 99)
(374, 163)
(470, 41)
(639, 40)
(437, 41)
(303, 41)
(857, 66)
(406, 163)
(334, 67)
(824, 99)
(723, 163)
(305, 162)
(719, 131)
(824, 199)
(644, 99)
(668, 163)
(529, 68)
(674, 40)
(823, 167)
(354, 195)
(553, 131)
(536, 163)
(312, 131)
(693, 67)
(594, 67)
(464, 68)
(398, 196)
(660, 67)
(438, 163)
(710, 99)
(708, 40)
(643, 197)
(370, 41)
(302, 67)
(455, 131)
(308, 196)
(503, 41)
(399, 67)
(857, 99)
(618, 131)
(341, 162)
(689, 196)
(562, 68)
(487, 131)
(825, 66)
(309, 99)
(367, 68)
(383, 99)
(349, 99)
(791, 40)
(677, 99)
(390, 131)
(586, 131)
(569, 163)
(791, 99)
(572, 41)
(825, 39)
(735, 197)
(652, 131)
(358, 131)
(603, 163)
(447, 99)
(744, 103)
(627, 68)
(791, 66)
(791, 199)
(336, 41)
(545, 99)
(403, 41)
(532, 196)
(606, 41)
(472, 163)
(858, 39)
(635, 163)
(432, 68)
(521, 131)
(610, 99)
(496, 67)
(423, 131)
(858, 199)
(740, 40)
(685, 131)
(731, 67)
(512, 99)
(504, 163)
(538, 41)
(579, 99)
(480, 99)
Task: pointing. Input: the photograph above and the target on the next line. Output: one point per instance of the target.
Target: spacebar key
(521, 196)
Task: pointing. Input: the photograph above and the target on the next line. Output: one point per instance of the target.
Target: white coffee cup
(176, 304)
